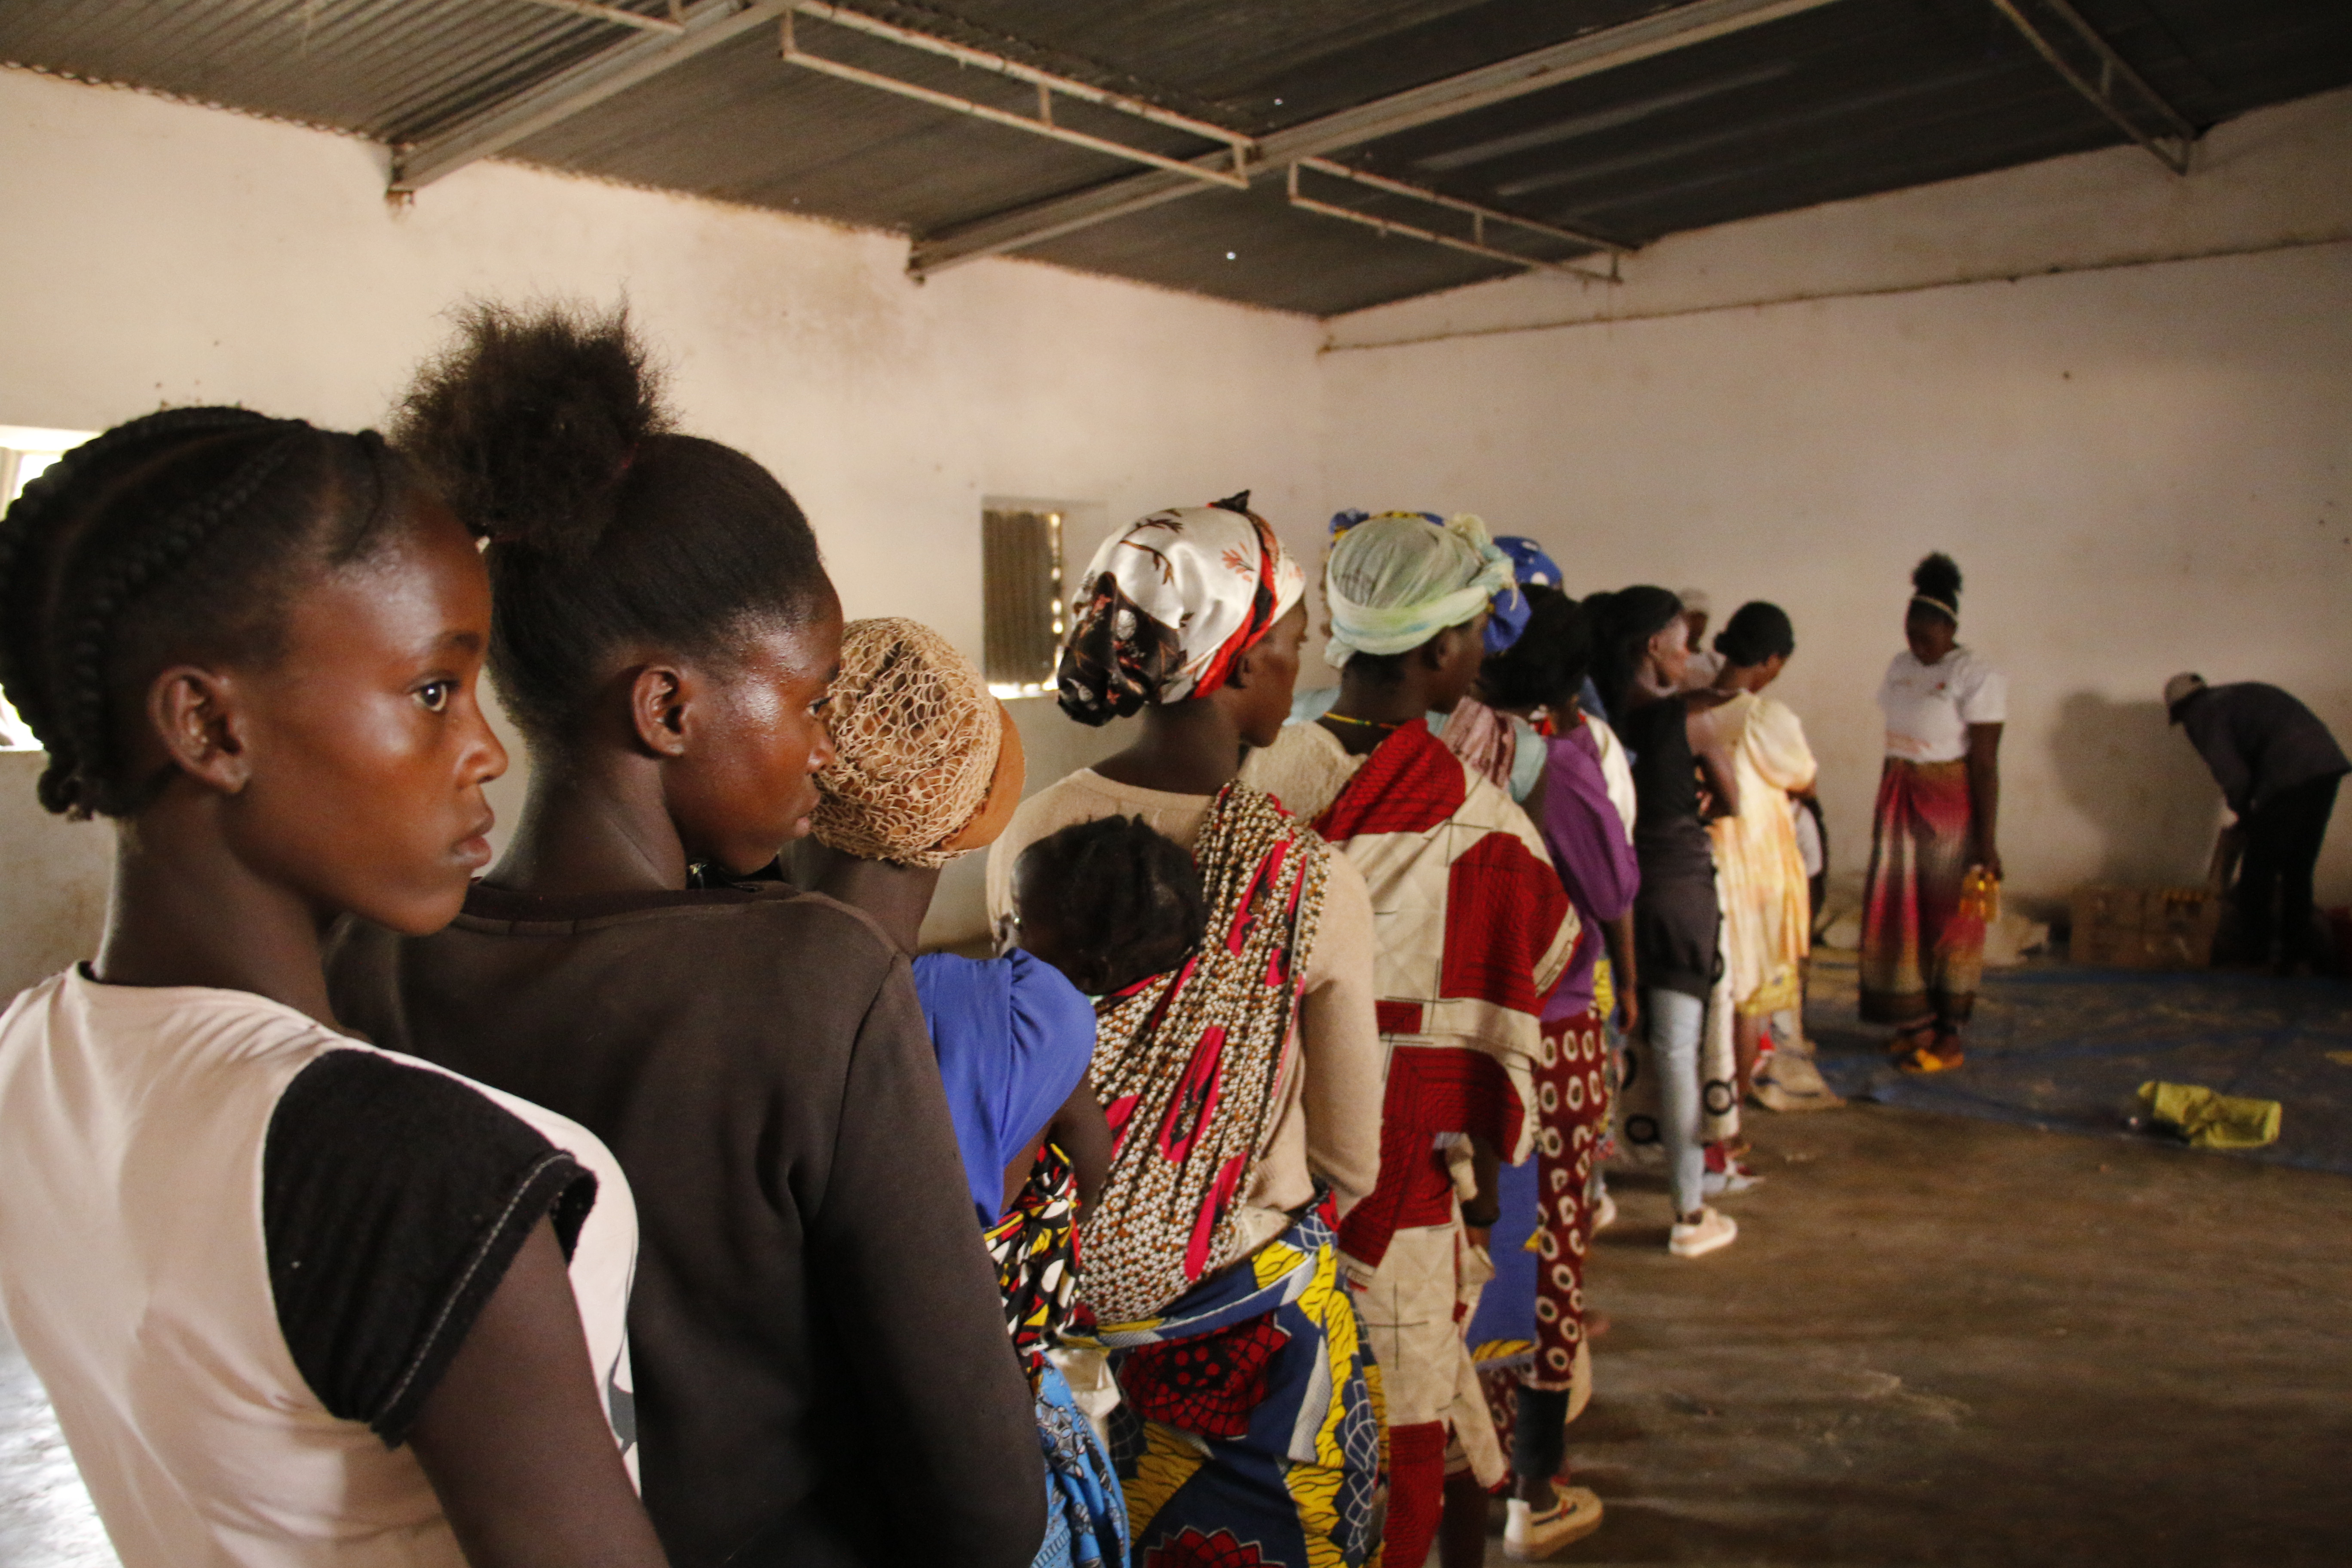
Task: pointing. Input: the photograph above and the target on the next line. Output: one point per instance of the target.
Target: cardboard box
(2144, 928)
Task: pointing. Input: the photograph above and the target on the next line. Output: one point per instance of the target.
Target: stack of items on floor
(2144, 928)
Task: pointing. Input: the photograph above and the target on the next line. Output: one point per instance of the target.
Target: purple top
(1596, 865)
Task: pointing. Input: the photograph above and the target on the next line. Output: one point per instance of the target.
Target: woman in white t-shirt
(298, 1301)
(1932, 830)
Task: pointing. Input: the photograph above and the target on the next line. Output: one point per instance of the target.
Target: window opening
(1021, 599)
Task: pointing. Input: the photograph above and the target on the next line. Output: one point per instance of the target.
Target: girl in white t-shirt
(1932, 833)
(297, 1301)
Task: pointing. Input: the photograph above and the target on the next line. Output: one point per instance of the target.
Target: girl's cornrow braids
(77, 779)
(31, 534)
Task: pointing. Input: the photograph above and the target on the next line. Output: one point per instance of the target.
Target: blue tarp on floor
(2066, 1048)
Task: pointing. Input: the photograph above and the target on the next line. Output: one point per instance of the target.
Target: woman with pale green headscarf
(1472, 930)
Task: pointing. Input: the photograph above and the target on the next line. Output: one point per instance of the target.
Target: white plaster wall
(2276, 178)
(155, 252)
(2141, 470)
(57, 878)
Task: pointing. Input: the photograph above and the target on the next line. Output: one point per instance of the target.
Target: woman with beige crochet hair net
(928, 767)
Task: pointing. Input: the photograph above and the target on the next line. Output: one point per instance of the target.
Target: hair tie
(1934, 604)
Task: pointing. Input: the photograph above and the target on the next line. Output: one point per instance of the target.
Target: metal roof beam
(1483, 214)
(619, 15)
(1047, 84)
(1479, 217)
(1607, 49)
(704, 25)
(2171, 146)
(965, 55)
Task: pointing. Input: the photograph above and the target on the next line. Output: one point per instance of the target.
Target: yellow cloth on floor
(2211, 1120)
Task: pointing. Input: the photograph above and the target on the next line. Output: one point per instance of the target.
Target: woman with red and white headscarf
(1249, 1076)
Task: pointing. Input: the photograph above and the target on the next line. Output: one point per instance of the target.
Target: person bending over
(817, 1326)
(2278, 768)
(297, 1301)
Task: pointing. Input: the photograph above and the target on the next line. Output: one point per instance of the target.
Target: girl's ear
(1238, 673)
(195, 714)
(659, 697)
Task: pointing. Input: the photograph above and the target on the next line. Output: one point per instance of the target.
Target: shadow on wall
(2142, 784)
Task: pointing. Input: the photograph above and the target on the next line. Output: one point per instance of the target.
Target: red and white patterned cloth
(1473, 931)
(1168, 604)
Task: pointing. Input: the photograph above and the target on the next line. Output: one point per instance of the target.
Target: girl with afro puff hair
(816, 1324)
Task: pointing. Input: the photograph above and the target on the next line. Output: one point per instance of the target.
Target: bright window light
(1021, 598)
(25, 453)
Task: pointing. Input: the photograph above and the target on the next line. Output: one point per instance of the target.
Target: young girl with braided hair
(297, 1301)
(817, 1328)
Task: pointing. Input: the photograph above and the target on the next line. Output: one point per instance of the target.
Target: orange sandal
(1928, 1058)
(1908, 1042)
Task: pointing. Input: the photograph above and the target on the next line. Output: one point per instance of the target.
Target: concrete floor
(1941, 1339)
(46, 1520)
(1936, 1341)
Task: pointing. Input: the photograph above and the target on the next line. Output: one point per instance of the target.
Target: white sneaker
(1532, 1537)
(1605, 1215)
(1710, 1231)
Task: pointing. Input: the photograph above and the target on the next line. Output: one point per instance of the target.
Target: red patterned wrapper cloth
(1922, 951)
(1186, 1062)
(1473, 930)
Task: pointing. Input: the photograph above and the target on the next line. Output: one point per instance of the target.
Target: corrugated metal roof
(1845, 99)
(388, 69)
(740, 124)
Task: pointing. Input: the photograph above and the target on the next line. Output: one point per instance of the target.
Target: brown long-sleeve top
(822, 1376)
(1327, 1119)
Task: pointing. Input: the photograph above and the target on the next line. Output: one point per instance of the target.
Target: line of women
(647, 1198)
